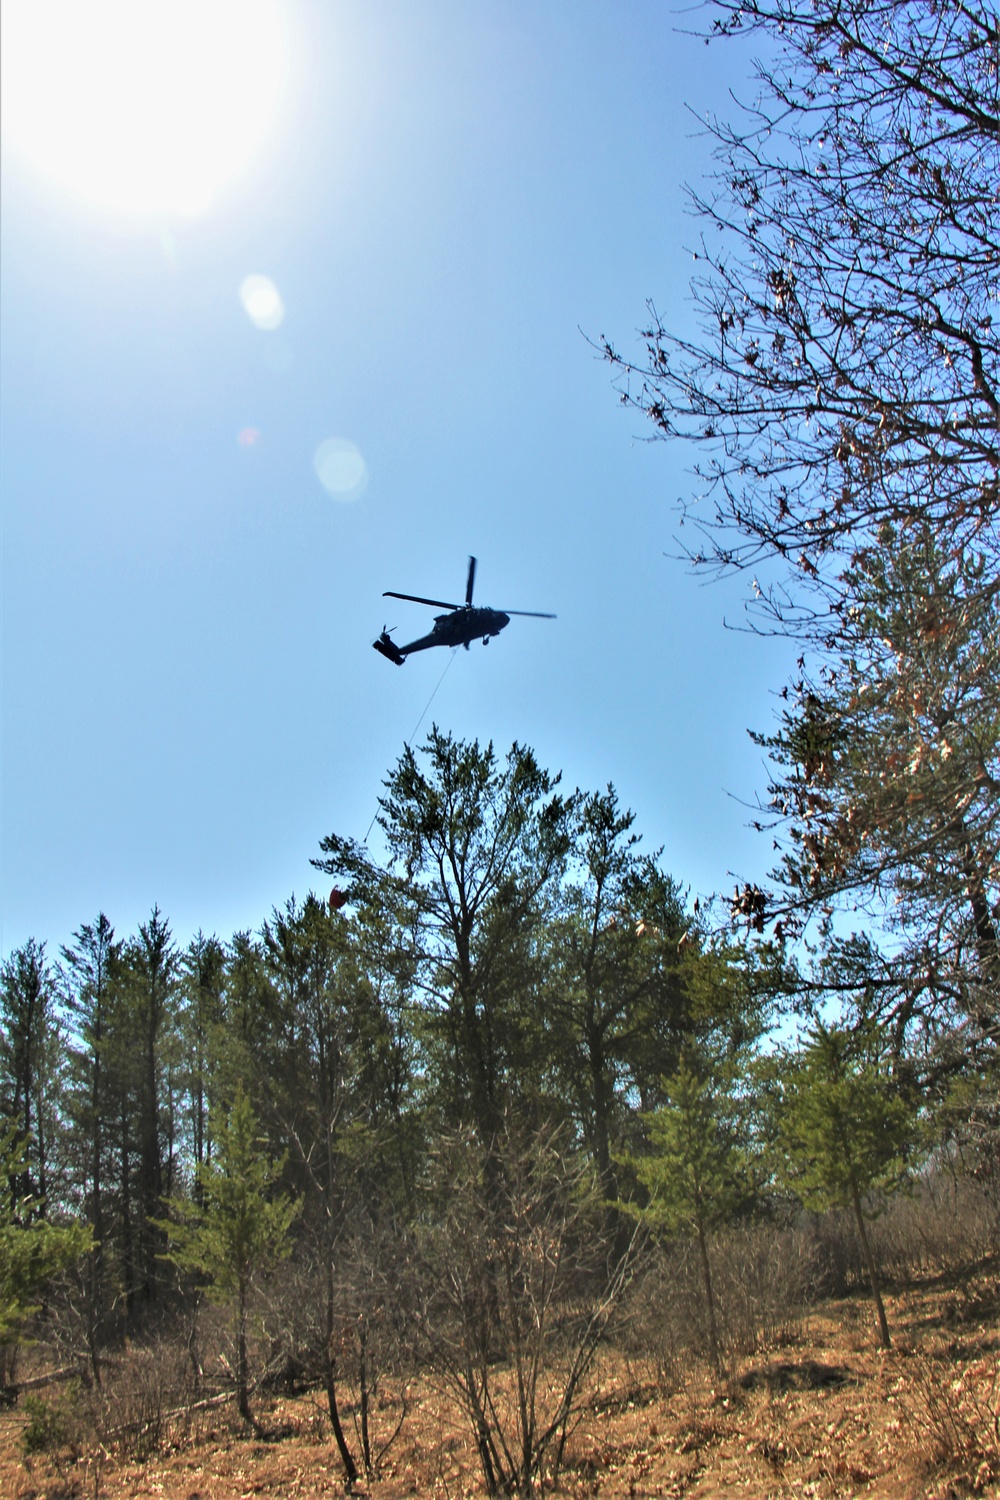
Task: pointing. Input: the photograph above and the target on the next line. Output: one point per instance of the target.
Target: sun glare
(262, 302)
(142, 106)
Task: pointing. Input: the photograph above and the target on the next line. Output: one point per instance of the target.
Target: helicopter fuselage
(463, 626)
(463, 623)
(460, 628)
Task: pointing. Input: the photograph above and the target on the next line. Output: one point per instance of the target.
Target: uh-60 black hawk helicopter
(462, 625)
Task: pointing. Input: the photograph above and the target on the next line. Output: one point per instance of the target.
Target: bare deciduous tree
(513, 1294)
(844, 396)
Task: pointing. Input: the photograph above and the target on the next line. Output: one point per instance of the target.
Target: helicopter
(462, 625)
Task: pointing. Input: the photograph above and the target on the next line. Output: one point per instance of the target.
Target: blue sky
(452, 199)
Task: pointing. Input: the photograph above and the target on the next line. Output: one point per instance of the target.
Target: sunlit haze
(302, 303)
(142, 106)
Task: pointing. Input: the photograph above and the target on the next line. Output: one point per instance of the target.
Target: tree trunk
(128, 1245)
(242, 1382)
(150, 1167)
(94, 1282)
(982, 916)
(365, 1394)
(171, 1132)
(329, 1380)
(41, 1150)
(95, 1295)
(870, 1265)
(346, 1456)
(706, 1271)
(601, 1098)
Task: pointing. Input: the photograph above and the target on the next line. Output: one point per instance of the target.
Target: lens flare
(340, 469)
(262, 302)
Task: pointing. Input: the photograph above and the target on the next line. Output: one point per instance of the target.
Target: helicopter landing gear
(486, 640)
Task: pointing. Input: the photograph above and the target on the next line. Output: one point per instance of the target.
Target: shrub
(143, 1391)
(765, 1276)
(51, 1424)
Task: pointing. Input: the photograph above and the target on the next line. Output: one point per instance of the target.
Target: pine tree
(696, 1174)
(239, 1231)
(90, 965)
(846, 1130)
(30, 1060)
(475, 850)
(203, 991)
(32, 1250)
(153, 967)
(614, 1000)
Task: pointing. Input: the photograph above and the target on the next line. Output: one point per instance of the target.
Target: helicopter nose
(502, 619)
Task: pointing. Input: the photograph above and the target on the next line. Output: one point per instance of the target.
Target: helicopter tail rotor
(387, 647)
(470, 582)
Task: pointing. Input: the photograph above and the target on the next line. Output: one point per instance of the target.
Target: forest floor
(826, 1414)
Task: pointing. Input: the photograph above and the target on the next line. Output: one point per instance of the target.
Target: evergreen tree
(846, 1129)
(30, 1058)
(140, 1059)
(89, 968)
(475, 850)
(615, 999)
(152, 972)
(123, 1074)
(239, 1231)
(316, 1104)
(32, 1250)
(203, 986)
(696, 1173)
(252, 1029)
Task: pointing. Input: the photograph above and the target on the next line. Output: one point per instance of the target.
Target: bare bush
(837, 1252)
(352, 1329)
(947, 1222)
(657, 1325)
(143, 1394)
(293, 1325)
(763, 1276)
(374, 1347)
(954, 1413)
(512, 1294)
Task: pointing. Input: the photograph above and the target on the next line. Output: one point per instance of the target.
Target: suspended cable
(417, 725)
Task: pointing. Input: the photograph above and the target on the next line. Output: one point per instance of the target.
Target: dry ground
(825, 1415)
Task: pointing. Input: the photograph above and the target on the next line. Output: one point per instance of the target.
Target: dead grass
(823, 1414)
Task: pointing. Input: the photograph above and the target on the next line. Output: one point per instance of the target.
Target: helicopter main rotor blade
(419, 599)
(535, 614)
(470, 582)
